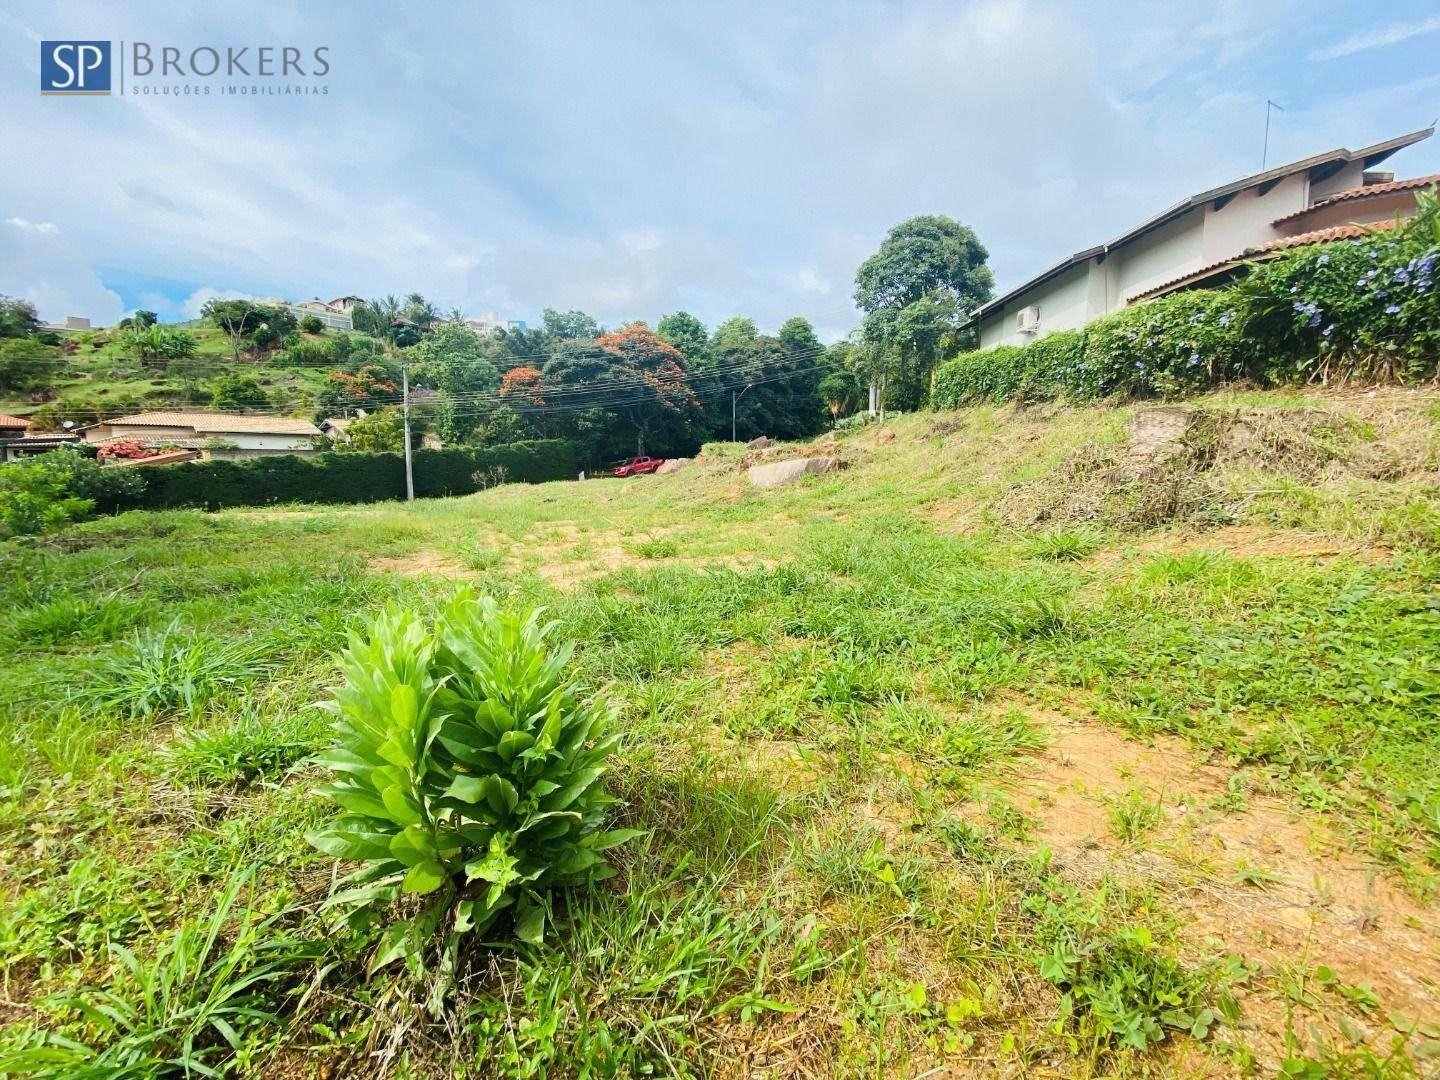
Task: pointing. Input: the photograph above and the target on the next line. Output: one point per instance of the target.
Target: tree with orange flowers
(629, 376)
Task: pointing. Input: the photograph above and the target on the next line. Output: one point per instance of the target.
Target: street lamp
(734, 399)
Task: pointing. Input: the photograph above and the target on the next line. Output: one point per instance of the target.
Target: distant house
(1208, 238)
(17, 440)
(346, 304)
(212, 434)
(332, 316)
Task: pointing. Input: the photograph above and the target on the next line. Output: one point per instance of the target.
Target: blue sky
(631, 159)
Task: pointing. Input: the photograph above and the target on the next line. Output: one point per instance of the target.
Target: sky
(632, 159)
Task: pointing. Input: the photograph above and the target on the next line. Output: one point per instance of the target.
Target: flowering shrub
(1364, 309)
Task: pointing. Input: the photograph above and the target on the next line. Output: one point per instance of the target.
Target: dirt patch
(422, 562)
(1243, 871)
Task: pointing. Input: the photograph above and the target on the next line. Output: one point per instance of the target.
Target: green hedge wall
(1365, 309)
(349, 478)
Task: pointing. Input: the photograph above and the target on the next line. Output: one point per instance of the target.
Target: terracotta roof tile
(1270, 247)
(219, 423)
(8, 421)
(1369, 191)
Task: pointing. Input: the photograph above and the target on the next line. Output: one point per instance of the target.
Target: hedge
(348, 477)
(1362, 309)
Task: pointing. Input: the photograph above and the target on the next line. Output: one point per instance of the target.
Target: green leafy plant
(468, 764)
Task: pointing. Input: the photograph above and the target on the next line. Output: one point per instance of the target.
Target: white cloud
(192, 304)
(1393, 34)
(32, 226)
(39, 264)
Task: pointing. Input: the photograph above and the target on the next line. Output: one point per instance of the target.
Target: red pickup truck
(637, 466)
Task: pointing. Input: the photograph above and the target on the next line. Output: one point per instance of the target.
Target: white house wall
(1245, 220)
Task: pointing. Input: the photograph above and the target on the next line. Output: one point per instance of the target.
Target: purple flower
(1328, 329)
(1393, 309)
(1315, 321)
(1323, 259)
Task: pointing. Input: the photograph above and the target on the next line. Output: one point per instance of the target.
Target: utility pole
(1265, 153)
(405, 408)
(734, 399)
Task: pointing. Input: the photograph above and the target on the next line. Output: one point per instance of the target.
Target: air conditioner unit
(1027, 320)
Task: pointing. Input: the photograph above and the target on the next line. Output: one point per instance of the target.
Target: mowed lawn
(932, 782)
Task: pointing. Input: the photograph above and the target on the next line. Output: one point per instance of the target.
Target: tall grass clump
(168, 671)
(188, 1009)
(467, 763)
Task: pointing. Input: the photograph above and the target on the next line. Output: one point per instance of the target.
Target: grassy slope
(958, 793)
(94, 375)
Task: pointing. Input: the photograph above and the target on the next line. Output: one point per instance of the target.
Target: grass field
(974, 757)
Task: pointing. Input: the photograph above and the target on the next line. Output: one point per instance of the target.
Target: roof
(8, 421)
(1369, 191)
(1331, 160)
(1269, 249)
(165, 457)
(218, 422)
(339, 423)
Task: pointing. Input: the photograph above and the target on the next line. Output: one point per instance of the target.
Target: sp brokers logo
(75, 67)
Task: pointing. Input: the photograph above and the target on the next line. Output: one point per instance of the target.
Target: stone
(885, 435)
(670, 465)
(787, 472)
(762, 442)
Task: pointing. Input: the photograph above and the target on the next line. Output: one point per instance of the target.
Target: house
(1207, 238)
(16, 440)
(73, 324)
(346, 304)
(333, 317)
(213, 434)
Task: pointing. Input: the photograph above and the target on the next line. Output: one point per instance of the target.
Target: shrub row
(1362, 309)
(351, 478)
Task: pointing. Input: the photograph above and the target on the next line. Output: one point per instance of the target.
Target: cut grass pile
(920, 789)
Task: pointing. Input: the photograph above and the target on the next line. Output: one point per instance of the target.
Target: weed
(170, 671)
(196, 1002)
(1133, 814)
(1063, 544)
(654, 547)
(253, 749)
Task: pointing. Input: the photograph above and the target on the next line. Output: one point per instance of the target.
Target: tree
(368, 387)
(18, 317)
(26, 365)
(917, 291)
(688, 334)
(236, 318)
(311, 324)
(420, 313)
(734, 331)
(382, 432)
(143, 317)
(570, 325)
(840, 391)
(239, 393)
(453, 362)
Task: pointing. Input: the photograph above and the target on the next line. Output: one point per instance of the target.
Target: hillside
(1051, 741)
(99, 373)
